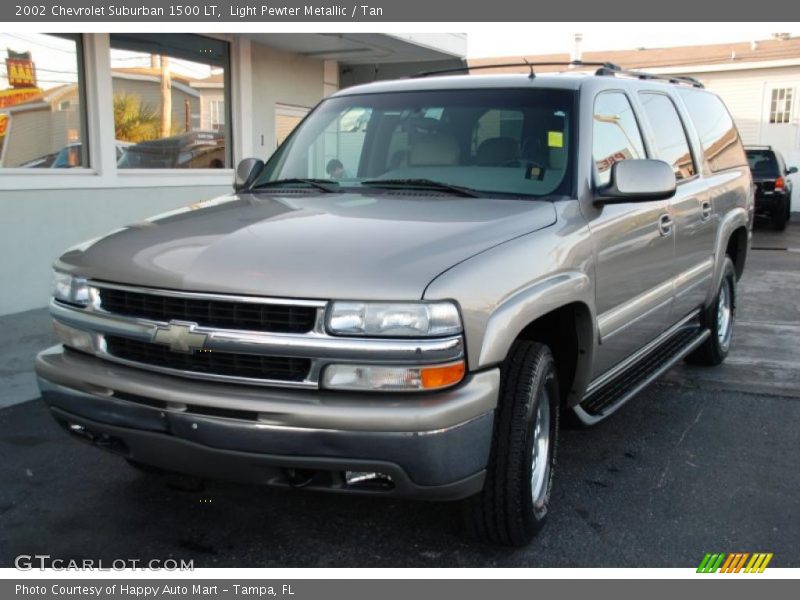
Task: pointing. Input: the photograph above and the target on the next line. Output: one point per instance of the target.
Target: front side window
(670, 136)
(42, 121)
(616, 134)
(513, 141)
(170, 96)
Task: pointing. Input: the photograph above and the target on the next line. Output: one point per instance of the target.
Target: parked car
(499, 253)
(773, 186)
(194, 150)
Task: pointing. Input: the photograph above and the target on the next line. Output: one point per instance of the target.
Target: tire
(780, 216)
(719, 318)
(515, 500)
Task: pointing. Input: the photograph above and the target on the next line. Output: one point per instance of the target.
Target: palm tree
(135, 121)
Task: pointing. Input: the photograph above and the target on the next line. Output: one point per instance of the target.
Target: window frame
(788, 105)
(692, 150)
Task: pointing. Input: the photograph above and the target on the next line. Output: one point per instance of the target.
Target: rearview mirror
(246, 173)
(638, 180)
(791, 170)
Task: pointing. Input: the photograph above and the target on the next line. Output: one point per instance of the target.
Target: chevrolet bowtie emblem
(180, 337)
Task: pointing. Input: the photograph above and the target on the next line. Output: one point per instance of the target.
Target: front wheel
(719, 318)
(514, 502)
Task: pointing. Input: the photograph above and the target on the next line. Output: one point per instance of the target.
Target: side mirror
(246, 172)
(791, 170)
(638, 180)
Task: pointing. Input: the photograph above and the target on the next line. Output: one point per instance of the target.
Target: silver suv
(414, 290)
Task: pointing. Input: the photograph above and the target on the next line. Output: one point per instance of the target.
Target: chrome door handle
(665, 225)
(705, 211)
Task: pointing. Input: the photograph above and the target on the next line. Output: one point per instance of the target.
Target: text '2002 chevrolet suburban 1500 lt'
(413, 291)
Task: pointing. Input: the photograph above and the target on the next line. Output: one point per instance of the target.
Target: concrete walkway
(22, 335)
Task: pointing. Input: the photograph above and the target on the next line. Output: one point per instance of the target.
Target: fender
(732, 221)
(535, 301)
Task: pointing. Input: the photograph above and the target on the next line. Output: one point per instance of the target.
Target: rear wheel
(515, 500)
(780, 216)
(719, 318)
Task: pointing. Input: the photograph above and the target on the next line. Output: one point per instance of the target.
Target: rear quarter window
(718, 134)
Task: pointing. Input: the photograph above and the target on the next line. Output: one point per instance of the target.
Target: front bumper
(432, 446)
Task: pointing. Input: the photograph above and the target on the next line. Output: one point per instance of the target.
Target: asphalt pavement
(699, 462)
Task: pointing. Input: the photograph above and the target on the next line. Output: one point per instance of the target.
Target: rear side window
(718, 134)
(670, 136)
(616, 135)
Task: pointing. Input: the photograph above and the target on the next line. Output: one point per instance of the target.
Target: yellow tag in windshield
(555, 139)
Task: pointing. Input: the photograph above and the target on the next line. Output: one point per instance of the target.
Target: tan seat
(497, 151)
(435, 150)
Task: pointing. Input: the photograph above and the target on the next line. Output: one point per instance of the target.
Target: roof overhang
(367, 48)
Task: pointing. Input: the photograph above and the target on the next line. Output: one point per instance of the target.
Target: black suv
(773, 188)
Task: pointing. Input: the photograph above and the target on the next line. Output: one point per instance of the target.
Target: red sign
(21, 72)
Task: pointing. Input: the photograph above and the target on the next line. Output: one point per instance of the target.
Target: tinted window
(718, 134)
(616, 134)
(670, 137)
(763, 163)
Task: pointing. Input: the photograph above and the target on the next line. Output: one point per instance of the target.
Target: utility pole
(166, 98)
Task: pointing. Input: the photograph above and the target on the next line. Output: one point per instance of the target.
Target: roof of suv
(567, 81)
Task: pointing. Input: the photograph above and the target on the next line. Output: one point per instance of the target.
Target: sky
(545, 38)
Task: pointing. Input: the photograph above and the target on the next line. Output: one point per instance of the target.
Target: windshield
(501, 141)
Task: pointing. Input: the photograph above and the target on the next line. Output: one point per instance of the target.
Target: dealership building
(101, 130)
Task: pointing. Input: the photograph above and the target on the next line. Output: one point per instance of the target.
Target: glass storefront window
(42, 121)
(170, 97)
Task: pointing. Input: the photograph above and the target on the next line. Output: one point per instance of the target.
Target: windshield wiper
(320, 184)
(424, 184)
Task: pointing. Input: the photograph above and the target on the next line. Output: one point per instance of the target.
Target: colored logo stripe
(734, 563)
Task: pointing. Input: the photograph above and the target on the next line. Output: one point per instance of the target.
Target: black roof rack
(530, 65)
(605, 69)
(682, 79)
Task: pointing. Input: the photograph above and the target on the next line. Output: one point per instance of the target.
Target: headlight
(396, 319)
(392, 379)
(67, 288)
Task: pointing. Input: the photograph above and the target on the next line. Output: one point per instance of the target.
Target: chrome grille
(223, 314)
(221, 363)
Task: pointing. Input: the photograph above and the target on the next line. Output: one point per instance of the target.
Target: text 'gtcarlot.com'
(28, 562)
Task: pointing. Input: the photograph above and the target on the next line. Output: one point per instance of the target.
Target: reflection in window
(41, 117)
(169, 100)
(718, 135)
(670, 136)
(616, 134)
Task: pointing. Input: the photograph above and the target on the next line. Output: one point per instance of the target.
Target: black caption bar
(392, 11)
(348, 589)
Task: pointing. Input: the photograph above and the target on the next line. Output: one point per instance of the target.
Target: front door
(634, 244)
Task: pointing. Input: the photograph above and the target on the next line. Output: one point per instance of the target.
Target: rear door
(633, 243)
(691, 207)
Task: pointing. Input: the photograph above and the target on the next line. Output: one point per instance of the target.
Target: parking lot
(704, 460)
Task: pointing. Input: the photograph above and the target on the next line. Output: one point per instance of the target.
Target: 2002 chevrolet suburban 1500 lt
(414, 289)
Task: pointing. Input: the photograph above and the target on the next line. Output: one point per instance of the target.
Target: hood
(357, 246)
